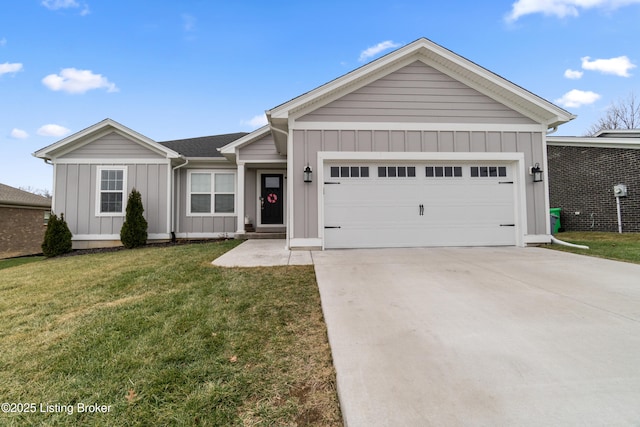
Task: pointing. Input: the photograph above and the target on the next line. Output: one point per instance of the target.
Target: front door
(271, 199)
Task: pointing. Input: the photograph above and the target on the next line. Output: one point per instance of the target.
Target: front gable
(416, 93)
(113, 145)
(503, 92)
(104, 140)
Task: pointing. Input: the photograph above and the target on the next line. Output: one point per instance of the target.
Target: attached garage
(421, 147)
(405, 203)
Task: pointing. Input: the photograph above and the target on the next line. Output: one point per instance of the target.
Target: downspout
(553, 239)
(53, 192)
(563, 243)
(289, 219)
(173, 207)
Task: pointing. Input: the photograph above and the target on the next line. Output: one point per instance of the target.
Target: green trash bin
(555, 215)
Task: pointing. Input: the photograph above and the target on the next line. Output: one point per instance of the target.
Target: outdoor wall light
(307, 173)
(536, 172)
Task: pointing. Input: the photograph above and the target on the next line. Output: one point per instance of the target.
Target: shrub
(57, 238)
(134, 230)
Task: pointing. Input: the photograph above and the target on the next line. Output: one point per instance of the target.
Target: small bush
(134, 230)
(57, 238)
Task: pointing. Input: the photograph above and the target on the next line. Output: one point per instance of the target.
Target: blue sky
(180, 69)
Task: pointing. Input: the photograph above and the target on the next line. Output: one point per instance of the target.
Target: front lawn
(158, 336)
(12, 262)
(621, 247)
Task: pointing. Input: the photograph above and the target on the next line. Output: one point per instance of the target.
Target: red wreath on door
(272, 198)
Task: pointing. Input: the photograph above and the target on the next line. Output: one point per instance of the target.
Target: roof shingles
(205, 146)
(15, 197)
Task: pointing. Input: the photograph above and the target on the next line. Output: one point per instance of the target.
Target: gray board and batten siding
(76, 185)
(194, 226)
(416, 93)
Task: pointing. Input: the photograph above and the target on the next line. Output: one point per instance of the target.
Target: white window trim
(125, 195)
(234, 172)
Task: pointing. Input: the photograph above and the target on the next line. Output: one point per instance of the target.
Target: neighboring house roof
(16, 197)
(603, 139)
(618, 133)
(96, 131)
(433, 55)
(203, 147)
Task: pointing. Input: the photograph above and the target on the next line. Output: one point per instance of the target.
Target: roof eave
(518, 98)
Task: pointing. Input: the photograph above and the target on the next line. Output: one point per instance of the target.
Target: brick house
(23, 221)
(582, 174)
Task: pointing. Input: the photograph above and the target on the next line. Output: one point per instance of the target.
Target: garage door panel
(422, 210)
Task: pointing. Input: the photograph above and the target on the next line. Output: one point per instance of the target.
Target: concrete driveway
(482, 337)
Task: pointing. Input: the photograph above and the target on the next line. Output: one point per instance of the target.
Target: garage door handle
(505, 182)
(507, 225)
(332, 226)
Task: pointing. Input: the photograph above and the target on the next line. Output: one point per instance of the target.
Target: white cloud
(59, 4)
(374, 50)
(3, 41)
(619, 66)
(72, 80)
(256, 121)
(19, 134)
(7, 68)
(66, 4)
(577, 98)
(573, 74)
(188, 22)
(53, 130)
(561, 8)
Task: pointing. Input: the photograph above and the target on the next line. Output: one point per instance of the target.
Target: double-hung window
(211, 193)
(112, 184)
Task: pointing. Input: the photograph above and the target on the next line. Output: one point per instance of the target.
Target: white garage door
(426, 204)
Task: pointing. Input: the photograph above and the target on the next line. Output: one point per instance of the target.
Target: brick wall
(21, 231)
(581, 179)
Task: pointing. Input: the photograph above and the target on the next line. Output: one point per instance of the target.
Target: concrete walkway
(262, 253)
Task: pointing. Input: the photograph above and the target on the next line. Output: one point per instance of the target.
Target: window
(112, 183)
(47, 217)
(211, 193)
(443, 171)
(488, 171)
(349, 171)
(396, 171)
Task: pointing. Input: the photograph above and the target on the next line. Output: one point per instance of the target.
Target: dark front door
(271, 198)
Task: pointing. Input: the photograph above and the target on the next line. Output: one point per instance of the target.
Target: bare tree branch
(623, 114)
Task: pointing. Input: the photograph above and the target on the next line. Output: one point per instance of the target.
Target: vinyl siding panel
(416, 93)
(76, 192)
(264, 150)
(112, 146)
(307, 144)
(200, 224)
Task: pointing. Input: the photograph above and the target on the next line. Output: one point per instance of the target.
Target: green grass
(164, 338)
(12, 262)
(621, 247)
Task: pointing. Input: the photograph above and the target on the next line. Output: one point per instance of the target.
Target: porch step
(263, 235)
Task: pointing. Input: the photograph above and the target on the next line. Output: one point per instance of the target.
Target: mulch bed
(76, 252)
